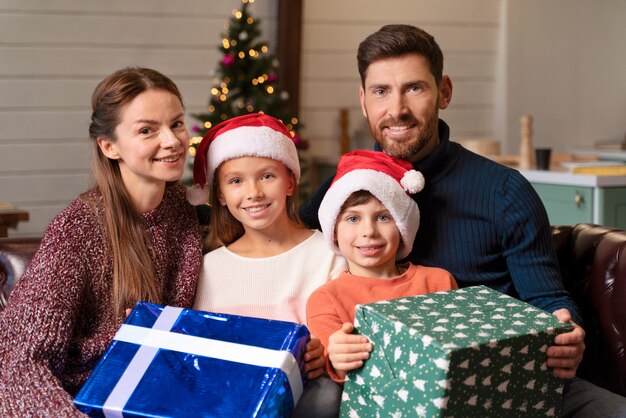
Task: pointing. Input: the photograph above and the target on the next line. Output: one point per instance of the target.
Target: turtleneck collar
(441, 159)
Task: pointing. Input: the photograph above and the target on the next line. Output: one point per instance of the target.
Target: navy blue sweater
(484, 223)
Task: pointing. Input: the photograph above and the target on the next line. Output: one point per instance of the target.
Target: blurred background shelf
(10, 217)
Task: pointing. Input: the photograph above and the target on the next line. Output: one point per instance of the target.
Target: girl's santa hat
(252, 135)
(389, 179)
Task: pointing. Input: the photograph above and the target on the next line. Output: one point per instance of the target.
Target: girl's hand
(347, 351)
(314, 358)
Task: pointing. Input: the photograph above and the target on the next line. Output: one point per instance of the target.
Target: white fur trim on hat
(252, 141)
(386, 189)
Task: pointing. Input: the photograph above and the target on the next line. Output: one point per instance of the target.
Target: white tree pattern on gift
(470, 352)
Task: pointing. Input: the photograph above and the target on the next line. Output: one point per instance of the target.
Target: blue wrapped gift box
(171, 362)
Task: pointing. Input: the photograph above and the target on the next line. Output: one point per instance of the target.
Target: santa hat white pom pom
(198, 195)
(412, 181)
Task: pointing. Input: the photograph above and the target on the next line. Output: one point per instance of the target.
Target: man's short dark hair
(397, 40)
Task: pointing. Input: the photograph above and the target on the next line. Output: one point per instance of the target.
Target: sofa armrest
(593, 267)
(15, 254)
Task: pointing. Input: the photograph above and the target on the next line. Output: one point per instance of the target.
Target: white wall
(52, 55)
(468, 31)
(566, 66)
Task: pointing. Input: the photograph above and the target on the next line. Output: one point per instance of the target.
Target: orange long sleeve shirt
(332, 304)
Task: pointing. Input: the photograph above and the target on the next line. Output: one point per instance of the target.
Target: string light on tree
(246, 81)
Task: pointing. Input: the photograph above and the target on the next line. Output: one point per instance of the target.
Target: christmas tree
(247, 82)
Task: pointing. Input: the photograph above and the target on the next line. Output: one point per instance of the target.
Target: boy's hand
(314, 358)
(347, 351)
(566, 355)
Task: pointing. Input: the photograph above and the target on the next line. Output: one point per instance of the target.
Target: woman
(131, 237)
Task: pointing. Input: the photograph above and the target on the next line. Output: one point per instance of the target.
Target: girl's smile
(257, 210)
(255, 190)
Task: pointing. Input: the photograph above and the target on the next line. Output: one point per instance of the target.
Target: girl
(268, 263)
(132, 237)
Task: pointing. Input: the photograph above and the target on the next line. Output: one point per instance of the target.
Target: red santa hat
(252, 135)
(389, 179)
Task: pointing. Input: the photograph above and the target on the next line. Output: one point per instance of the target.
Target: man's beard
(406, 148)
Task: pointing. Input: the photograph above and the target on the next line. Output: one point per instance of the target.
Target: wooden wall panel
(329, 36)
(52, 55)
(29, 189)
(384, 12)
(341, 65)
(170, 8)
(74, 94)
(469, 33)
(36, 158)
(36, 126)
(62, 61)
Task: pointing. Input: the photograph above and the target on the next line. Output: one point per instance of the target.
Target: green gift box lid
(471, 352)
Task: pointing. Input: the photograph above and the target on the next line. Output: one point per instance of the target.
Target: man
(486, 225)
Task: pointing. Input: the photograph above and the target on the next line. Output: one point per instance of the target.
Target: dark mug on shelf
(542, 157)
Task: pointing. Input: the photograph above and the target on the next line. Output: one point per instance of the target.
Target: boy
(368, 217)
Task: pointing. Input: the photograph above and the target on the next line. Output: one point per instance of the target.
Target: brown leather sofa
(593, 268)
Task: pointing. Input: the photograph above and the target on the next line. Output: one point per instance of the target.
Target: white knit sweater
(272, 287)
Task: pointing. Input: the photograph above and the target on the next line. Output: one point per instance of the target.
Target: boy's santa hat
(252, 135)
(389, 179)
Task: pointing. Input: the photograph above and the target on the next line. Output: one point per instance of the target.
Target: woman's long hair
(133, 269)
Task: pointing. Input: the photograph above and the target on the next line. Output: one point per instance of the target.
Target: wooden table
(9, 218)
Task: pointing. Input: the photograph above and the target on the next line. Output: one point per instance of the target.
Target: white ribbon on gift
(159, 337)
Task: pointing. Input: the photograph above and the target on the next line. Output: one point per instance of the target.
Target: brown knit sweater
(58, 321)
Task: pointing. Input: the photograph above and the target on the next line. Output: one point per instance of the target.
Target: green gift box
(471, 352)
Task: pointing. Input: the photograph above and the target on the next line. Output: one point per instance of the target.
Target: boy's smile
(369, 239)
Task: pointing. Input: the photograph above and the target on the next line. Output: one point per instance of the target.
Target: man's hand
(566, 355)
(347, 351)
(314, 358)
